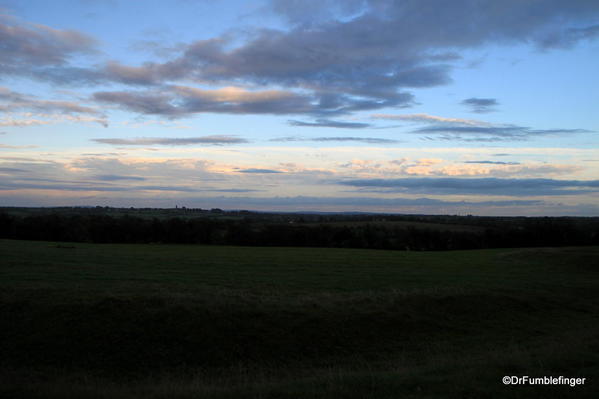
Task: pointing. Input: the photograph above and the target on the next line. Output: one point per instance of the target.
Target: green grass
(163, 321)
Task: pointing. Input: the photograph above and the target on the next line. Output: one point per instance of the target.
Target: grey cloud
(180, 101)
(50, 184)
(12, 101)
(39, 51)
(480, 105)
(117, 177)
(12, 170)
(144, 103)
(17, 146)
(382, 48)
(330, 123)
(66, 75)
(490, 133)
(144, 75)
(344, 56)
(35, 44)
(238, 101)
(256, 170)
(493, 162)
(233, 190)
(477, 186)
(569, 37)
(210, 140)
(310, 12)
(100, 154)
(431, 119)
(369, 140)
(58, 186)
(60, 106)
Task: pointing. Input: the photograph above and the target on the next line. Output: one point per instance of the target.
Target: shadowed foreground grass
(159, 321)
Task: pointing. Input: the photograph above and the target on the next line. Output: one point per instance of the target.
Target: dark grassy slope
(91, 320)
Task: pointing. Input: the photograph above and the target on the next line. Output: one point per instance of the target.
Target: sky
(408, 106)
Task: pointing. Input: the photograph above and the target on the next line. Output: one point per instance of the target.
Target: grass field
(175, 321)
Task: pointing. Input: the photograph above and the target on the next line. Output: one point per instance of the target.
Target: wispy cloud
(493, 162)
(330, 123)
(257, 170)
(490, 133)
(27, 110)
(17, 146)
(480, 105)
(12, 170)
(368, 140)
(425, 118)
(477, 186)
(118, 177)
(173, 141)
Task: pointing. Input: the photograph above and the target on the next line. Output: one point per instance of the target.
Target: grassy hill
(164, 321)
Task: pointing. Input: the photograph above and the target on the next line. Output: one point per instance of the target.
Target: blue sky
(463, 107)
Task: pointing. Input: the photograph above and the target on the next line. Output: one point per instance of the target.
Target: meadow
(82, 320)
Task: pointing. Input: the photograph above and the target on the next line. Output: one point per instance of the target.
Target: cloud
(41, 112)
(33, 46)
(180, 101)
(477, 186)
(480, 105)
(18, 101)
(424, 118)
(233, 190)
(309, 12)
(241, 101)
(569, 37)
(330, 123)
(17, 146)
(440, 168)
(334, 59)
(78, 186)
(44, 53)
(366, 59)
(493, 162)
(12, 170)
(19, 122)
(26, 119)
(155, 103)
(209, 140)
(490, 133)
(448, 129)
(307, 202)
(118, 177)
(256, 170)
(368, 140)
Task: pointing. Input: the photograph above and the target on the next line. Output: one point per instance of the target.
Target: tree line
(264, 231)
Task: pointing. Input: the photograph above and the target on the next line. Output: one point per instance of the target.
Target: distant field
(162, 321)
